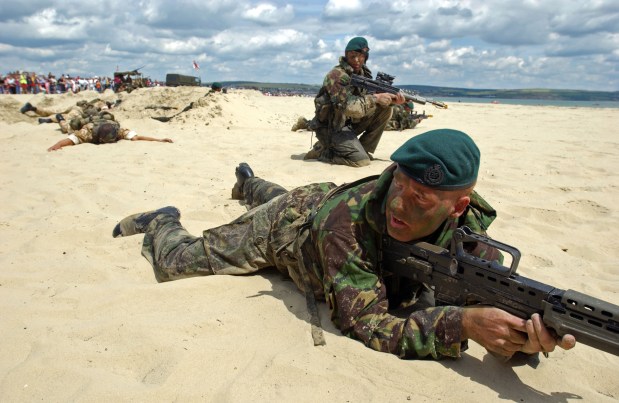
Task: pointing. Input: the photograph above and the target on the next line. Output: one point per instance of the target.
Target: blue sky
(561, 44)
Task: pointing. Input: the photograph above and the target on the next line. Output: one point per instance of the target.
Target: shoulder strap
(302, 235)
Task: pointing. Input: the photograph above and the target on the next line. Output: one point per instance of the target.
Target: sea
(533, 102)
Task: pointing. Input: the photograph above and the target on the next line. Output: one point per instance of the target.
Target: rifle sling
(306, 259)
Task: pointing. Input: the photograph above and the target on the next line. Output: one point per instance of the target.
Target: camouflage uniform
(89, 115)
(401, 118)
(74, 111)
(340, 253)
(410, 121)
(82, 110)
(344, 112)
(85, 134)
(398, 117)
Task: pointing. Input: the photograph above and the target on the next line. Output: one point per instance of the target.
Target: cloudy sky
(562, 44)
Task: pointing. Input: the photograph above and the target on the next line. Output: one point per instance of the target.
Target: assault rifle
(420, 116)
(459, 278)
(383, 83)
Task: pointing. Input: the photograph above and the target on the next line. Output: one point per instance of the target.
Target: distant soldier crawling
(344, 112)
(84, 111)
(402, 117)
(102, 132)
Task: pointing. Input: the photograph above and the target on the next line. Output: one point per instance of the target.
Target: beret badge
(434, 175)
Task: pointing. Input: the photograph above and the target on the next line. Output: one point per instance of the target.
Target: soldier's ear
(460, 206)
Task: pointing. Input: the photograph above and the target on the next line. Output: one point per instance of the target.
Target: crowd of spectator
(31, 83)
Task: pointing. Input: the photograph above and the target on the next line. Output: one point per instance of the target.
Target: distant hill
(534, 93)
(443, 92)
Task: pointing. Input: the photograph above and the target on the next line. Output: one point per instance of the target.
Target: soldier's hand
(166, 140)
(384, 98)
(496, 330)
(541, 339)
(504, 334)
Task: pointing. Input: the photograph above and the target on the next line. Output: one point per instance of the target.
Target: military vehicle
(175, 80)
(128, 80)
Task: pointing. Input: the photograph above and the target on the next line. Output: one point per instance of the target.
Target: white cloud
(445, 42)
(191, 45)
(439, 45)
(456, 56)
(509, 63)
(342, 8)
(48, 24)
(269, 14)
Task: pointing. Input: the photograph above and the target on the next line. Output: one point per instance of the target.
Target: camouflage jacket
(342, 101)
(398, 118)
(346, 236)
(85, 134)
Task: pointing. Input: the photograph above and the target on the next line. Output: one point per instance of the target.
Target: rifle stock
(383, 84)
(461, 279)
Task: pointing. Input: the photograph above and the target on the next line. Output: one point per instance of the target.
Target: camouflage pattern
(342, 107)
(70, 113)
(85, 134)
(388, 314)
(172, 251)
(78, 122)
(401, 119)
(347, 233)
(262, 237)
(82, 110)
(397, 118)
(257, 191)
(410, 121)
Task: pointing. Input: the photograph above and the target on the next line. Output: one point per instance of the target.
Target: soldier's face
(355, 59)
(415, 211)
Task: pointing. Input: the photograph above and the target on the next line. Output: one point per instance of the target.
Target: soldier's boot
(59, 117)
(27, 108)
(137, 223)
(242, 172)
(314, 153)
(45, 120)
(301, 124)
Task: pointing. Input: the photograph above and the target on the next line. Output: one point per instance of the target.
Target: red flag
(195, 65)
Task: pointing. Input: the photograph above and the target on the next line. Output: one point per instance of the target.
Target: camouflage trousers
(345, 148)
(263, 237)
(68, 114)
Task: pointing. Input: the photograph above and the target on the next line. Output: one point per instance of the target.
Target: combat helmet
(105, 131)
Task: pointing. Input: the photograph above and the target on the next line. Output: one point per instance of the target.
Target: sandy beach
(83, 318)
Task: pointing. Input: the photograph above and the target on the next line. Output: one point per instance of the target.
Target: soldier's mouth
(397, 223)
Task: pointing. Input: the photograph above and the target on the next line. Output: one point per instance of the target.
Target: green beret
(410, 104)
(359, 44)
(442, 159)
(216, 86)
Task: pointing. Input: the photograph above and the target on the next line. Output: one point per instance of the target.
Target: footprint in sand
(538, 261)
(588, 208)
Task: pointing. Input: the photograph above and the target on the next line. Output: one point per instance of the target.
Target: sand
(83, 318)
